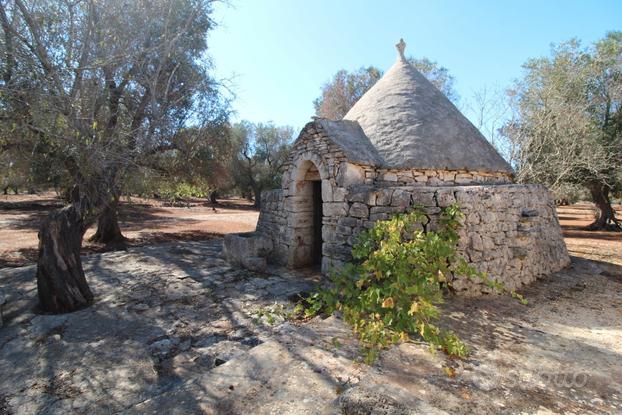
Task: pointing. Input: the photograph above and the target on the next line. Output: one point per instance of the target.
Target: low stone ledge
(249, 250)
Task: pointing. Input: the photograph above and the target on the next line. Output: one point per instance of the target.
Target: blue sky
(278, 53)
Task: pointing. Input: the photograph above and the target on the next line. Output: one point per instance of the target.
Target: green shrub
(391, 290)
(177, 190)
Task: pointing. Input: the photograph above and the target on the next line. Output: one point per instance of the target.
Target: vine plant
(391, 290)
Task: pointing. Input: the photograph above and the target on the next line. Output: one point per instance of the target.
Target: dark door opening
(317, 222)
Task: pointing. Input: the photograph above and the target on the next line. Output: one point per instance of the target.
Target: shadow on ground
(175, 330)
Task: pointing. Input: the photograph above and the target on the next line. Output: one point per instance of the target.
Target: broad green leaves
(392, 289)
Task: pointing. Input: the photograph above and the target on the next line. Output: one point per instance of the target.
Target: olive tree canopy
(567, 122)
(103, 84)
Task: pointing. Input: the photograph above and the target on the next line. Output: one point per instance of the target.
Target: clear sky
(279, 53)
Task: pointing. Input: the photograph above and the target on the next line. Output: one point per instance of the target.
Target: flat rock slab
(174, 329)
(162, 314)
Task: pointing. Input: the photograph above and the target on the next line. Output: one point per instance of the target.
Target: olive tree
(105, 84)
(262, 151)
(566, 126)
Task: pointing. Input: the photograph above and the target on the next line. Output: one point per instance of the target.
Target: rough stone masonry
(403, 144)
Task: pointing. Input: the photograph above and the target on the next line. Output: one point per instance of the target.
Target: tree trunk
(212, 197)
(257, 195)
(607, 217)
(61, 283)
(108, 229)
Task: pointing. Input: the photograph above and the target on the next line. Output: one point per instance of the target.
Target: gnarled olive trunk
(607, 215)
(213, 197)
(61, 283)
(108, 230)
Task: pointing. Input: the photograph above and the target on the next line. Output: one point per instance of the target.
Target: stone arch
(301, 165)
(305, 206)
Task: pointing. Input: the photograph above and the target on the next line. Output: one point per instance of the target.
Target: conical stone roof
(414, 125)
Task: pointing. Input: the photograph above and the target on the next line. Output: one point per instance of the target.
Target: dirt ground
(143, 221)
(600, 246)
(175, 330)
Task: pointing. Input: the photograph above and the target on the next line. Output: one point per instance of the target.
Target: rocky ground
(175, 330)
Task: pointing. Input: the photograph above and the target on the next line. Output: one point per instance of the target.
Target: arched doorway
(306, 216)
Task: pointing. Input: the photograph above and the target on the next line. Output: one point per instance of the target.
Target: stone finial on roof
(412, 125)
(401, 46)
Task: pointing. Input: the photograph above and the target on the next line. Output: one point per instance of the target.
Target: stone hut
(402, 144)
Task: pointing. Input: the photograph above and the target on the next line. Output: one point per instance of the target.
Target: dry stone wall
(273, 223)
(418, 177)
(316, 145)
(511, 232)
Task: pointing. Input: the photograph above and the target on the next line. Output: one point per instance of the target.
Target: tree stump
(61, 283)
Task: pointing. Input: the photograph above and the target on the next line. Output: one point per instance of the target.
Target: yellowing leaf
(441, 276)
(388, 303)
(450, 371)
(414, 307)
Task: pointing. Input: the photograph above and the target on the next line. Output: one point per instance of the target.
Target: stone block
(386, 209)
(327, 191)
(350, 174)
(389, 177)
(328, 233)
(337, 251)
(351, 222)
(529, 213)
(339, 194)
(434, 181)
(358, 194)
(445, 197)
(423, 198)
(343, 230)
(383, 197)
(476, 243)
(358, 210)
(400, 198)
(335, 209)
(378, 216)
(246, 249)
(371, 198)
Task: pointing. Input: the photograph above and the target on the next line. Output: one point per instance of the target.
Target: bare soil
(598, 245)
(143, 221)
(174, 329)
